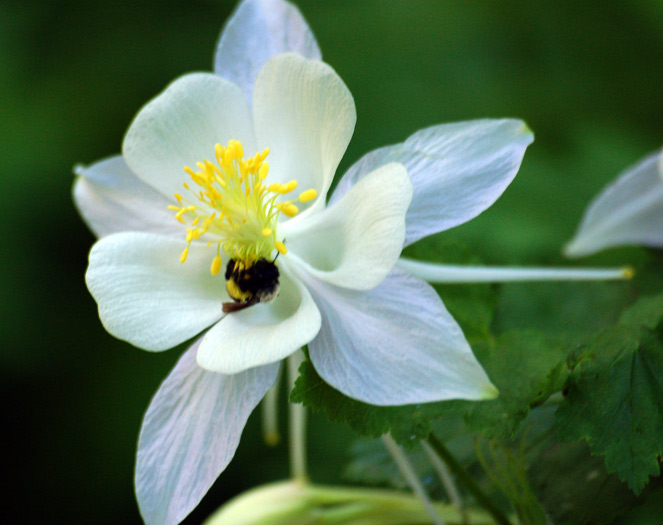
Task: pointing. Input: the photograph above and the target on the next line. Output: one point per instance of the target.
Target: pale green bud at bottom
(296, 503)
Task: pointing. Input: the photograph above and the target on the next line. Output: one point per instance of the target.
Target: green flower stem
(446, 479)
(408, 472)
(297, 420)
(467, 480)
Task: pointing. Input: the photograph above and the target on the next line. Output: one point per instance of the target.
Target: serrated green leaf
(525, 366)
(615, 396)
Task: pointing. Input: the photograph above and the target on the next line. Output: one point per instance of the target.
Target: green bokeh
(585, 75)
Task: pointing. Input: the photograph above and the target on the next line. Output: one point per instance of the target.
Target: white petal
(181, 126)
(263, 333)
(357, 241)
(190, 433)
(257, 31)
(146, 296)
(629, 211)
(394, 345)
(112, 199)
(305, 114)
(458, 170)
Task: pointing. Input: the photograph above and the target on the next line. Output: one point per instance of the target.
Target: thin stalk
(270, 415)
(406, 469)
(297, 422)
(467, 480)
(446, 479)
(452, 274)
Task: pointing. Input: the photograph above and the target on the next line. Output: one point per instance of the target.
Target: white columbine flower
(627, 212)
(233, 168)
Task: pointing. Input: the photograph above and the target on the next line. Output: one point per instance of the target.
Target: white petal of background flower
(627, 212)
(394, 345)
(112, 199)
(190, 433)
(181, 126)
(458, 170)
(263, 333)
(146, 296)
(305, 114)
(355, 242)
(257, 31)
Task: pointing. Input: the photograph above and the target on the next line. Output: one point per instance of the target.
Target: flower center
(230, 205)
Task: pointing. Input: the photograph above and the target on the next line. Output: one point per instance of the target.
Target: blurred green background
(585, 75)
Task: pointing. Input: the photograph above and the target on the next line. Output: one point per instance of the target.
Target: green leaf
(525, 366)
(615, 395)
(575, 487)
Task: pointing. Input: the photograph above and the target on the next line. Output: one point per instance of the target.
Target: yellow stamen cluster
(232, 207)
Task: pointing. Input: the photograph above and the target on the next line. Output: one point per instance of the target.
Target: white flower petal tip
(190, 433)
(181, 127)
(627, 212)
(488, 392)
(306, 115)
(111, 199)
(394, 345)
(257, 31)
(264, 333)
(458, 170)
(146, 296)
(356, 242)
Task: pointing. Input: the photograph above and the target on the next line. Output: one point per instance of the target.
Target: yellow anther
(289, 186)
(308, 195)
(280, 247)
(239, 150)
(184, 255)
(290, 210)
(232, 205)
(173, 207)
(264, 170)
(216, 265)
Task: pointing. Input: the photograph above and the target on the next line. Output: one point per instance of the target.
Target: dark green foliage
(575, 487)
(615, 395)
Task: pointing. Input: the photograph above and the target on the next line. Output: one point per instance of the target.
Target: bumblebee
(249, 285)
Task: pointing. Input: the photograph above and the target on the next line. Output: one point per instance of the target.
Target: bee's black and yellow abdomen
(257, 283)
(235, 291)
